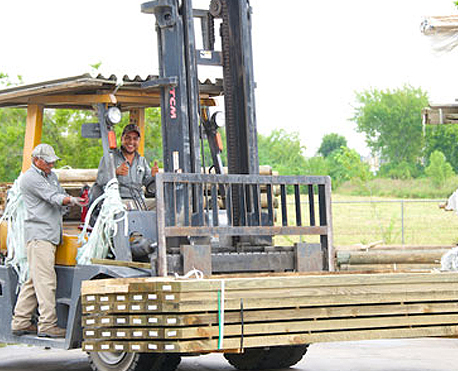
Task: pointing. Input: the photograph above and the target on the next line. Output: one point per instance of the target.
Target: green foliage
(6, 81)
(389, 232)
(283, 151)
(330, 143)
(62, 130)
(12, 121)
(342, 165)
(345, 165)
(317, 165)
(153, 135)
(443, 138)
(391, 121)
(400, 188)
(400, 170)
(12, 142)
(95, 67)
(439, 170)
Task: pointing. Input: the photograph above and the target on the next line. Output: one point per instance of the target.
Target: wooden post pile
(4, 187)
(391, 258)
(230, 314)
(76, 178)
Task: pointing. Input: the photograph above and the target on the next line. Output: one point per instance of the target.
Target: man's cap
(129, 128)
(45, 152)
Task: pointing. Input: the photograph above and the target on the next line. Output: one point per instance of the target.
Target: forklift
(223, 222)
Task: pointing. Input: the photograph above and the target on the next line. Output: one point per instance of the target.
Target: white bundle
(14, 214)
(452, 202)
(106, 226)
(449, 261)
(443, 32)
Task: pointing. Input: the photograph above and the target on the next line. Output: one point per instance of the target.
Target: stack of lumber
(76, 178)
(442, 30)
(232, 313)
(390, 258)
(4, 187)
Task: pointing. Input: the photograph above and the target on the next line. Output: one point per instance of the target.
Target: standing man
(44, 200)
(132, 169)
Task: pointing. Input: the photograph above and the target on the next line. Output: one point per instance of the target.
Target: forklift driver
(132, 171)
(44, 200)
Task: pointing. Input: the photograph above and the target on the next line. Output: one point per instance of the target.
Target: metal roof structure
(83, 91)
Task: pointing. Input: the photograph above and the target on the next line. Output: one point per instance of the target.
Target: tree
(392, 123)
(345, 164)
(317, 165)
(13, 127)
(443, 138)
(11, 140)
(283, 151)
(439, 170)
(330, 143)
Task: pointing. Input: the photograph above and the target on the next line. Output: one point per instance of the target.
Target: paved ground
(380, 355)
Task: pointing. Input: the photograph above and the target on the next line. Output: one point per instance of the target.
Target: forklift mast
(178, 61)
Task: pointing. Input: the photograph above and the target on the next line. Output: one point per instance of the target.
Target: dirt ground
(377, 355)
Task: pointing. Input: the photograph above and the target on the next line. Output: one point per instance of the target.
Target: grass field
(364, 220)
(379, 219)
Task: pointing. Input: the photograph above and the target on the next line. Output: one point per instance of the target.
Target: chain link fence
(390, 222)
(405, 222)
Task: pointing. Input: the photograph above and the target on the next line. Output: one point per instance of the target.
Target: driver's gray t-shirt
(139, 174)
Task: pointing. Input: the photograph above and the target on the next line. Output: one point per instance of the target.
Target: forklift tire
(122, 361)
(250, 359)
(284, 357)
(267, 358)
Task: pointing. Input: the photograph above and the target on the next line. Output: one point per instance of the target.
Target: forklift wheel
(122, 361)
(267, 358)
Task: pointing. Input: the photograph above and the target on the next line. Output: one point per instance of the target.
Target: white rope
(106, 226)
(198, 275)
(14, 214)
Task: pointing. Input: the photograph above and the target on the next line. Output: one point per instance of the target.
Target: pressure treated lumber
(266, 315)
(208, 345)
(391, 267)
(390, 256)
(258, 281)
(304, 326)
(227, 313)
(76, 175)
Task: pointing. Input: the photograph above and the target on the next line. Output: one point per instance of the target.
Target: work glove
(154, 169)
(78, 201)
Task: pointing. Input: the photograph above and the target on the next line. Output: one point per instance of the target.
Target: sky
(310, 57)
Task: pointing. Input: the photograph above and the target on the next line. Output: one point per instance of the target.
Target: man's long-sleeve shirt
(43, 197)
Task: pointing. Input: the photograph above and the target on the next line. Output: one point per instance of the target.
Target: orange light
(112, 139)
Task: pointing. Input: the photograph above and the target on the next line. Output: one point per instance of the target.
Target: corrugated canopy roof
(82, 92)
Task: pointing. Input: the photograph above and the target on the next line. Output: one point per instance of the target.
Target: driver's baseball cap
(45, 152)
(129, 128)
